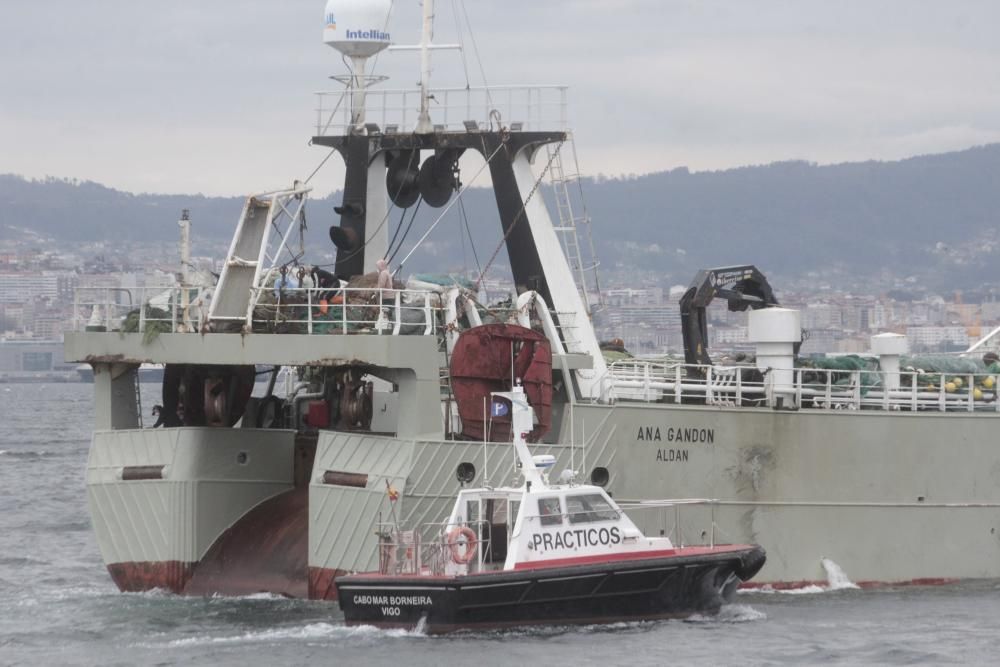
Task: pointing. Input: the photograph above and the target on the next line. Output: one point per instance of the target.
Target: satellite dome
(357, 28)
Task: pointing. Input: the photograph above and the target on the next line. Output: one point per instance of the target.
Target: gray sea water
(58, 605)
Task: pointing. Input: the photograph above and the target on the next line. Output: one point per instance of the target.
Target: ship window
(472, 512)
(550, 511)
(589, 507)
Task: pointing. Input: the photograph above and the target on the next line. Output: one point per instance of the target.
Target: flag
(393, 494)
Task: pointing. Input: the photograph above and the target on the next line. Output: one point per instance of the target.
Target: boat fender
(460, 553)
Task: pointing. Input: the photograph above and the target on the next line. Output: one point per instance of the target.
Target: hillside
(935, 217)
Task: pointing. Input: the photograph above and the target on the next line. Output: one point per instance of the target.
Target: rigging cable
(520, 214)
(461, 44)
(448, 208)
(472, 242)
(380, 224)
(399, 246)
(395, 234)
(475, 50)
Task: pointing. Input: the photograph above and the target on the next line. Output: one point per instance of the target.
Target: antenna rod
(572, 441)
(486, 473)
(358, 85)
(424, 125)
(185, 225)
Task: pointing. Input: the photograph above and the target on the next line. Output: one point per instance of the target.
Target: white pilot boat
(538, 553)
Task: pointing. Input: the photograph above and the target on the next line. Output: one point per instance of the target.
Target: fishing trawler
(538, 553)
(246, 489)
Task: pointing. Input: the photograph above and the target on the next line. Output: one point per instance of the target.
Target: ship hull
(688, 582)
(888, 497)
(199, 511)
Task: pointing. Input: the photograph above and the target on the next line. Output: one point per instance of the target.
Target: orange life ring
(457, 554)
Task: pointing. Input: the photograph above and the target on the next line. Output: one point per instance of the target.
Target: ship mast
(185, 224)
(424, 125)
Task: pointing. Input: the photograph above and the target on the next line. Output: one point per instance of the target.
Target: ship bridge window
(586, 508)
(550, 511)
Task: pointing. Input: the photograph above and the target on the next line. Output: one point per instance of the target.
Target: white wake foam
(730, 613)
(837, 580)
(836, 576)
(310, 631)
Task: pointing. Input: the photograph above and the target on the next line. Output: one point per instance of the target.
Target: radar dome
(357, 28)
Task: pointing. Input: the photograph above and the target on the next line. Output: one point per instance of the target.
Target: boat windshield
(586, 508)
(550, 511)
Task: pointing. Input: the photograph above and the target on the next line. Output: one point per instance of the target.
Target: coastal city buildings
(37, 305)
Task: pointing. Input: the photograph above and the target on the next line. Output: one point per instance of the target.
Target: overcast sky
(216, 96)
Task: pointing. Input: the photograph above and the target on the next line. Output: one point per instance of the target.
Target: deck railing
(429, 548)
(452, 109)
(833, 389)
(295, 310)
(345, 311)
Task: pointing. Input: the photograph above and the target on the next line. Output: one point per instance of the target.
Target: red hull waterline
(316, 583)
(267, 552)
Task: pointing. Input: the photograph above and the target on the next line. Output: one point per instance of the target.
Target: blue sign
(500, 409)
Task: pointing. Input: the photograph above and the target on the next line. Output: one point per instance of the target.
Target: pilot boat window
(494, 530)
(586, 508)
(550, 511)
(472, 512)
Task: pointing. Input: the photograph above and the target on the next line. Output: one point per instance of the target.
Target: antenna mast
(426, 39)
(185, 225)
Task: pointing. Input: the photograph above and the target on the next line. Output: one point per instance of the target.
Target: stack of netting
(157, 322)
(841, 372)
(333, 311)
(952, 373)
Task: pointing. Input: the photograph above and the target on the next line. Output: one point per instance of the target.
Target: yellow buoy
(958, 382)
(949, 387)
(988, 382)
(977, 394)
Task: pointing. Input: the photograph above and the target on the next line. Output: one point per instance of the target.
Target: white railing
(519, 107)
(429, 550)
(818, 388)
(118, 309)
(299, 310)
(345, 311)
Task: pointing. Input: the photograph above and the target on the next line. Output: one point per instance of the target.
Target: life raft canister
(460, 553)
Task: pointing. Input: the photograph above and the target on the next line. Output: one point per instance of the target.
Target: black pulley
(402, 179)
(343, 238)
(437, 180)
(465, 473)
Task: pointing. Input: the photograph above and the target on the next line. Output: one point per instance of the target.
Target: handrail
(462, 109)
(819, 388)
(346, 310)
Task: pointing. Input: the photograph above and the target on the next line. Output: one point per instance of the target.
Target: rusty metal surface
(482, 363)
(264, 552)
(168, 575)
(136, 473)
(339, 478)
(321, 583)
(305, 454)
